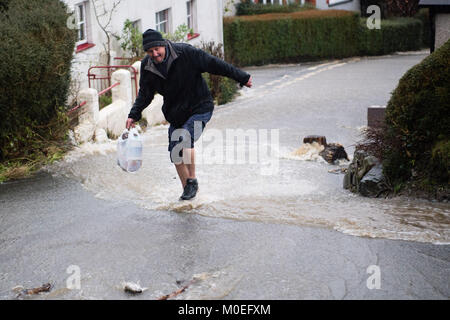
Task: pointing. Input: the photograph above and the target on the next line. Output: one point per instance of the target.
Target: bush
(418, 122)
(36, 49)
(250, 8)
(402, 8)
(391, 8)
(222, 89)
(380, 3)
(298, 36)
(397, 34)
(424, 16)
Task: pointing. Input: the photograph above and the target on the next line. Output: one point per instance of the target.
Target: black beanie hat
(152, 38)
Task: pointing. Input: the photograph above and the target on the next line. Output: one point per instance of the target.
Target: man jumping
(174, 70)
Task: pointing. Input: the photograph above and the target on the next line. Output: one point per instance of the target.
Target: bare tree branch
(105, 26)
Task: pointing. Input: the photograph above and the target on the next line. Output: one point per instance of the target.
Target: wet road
(272, 240)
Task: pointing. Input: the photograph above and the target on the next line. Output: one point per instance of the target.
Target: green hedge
(418, 122)
(313, 34)
(397, 34)
(36, 49)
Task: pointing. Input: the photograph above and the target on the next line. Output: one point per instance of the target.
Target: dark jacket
(184, 90)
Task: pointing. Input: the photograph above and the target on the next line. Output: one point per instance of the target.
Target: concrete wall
(207, 22)
(442, 29)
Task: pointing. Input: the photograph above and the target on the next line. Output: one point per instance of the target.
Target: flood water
(262, 225)
(329, 99)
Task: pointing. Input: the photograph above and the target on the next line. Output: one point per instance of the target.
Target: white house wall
(207, 22)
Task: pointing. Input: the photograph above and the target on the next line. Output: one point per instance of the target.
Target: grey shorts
(189, 132)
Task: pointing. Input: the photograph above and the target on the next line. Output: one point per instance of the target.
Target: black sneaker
(190, 190)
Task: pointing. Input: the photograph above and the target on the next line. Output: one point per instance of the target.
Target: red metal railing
(77, 107)
(109, 88)
(99, 94)
(122, 58)
(103, 81)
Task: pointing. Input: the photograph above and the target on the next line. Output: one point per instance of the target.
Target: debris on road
(333, 152)
(330, 152)
(309, 151)
(22, 291)
(132, 287)
(177, 292)
(338, 170)
(319, 139)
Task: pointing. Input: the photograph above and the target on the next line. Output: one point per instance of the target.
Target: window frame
(137, 24)
(190, 14)
(161, 22)
(82, 22)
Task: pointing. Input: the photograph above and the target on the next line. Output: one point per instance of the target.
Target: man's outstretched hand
(249, 82)
(130, 123)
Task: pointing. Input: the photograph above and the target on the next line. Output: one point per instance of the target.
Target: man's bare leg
(183, 173)
(186, 169)
(189, 160)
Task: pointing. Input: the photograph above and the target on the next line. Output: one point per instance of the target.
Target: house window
(83, 37)
(81, 18)
(137, 25)
(190, 16)
(162, 21)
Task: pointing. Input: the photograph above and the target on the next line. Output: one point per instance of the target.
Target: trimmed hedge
(397, 34)
(314, 34)
(418, 123)
(298, 36)
(36, 49)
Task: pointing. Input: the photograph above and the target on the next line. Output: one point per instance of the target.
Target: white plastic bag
(129, 150)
